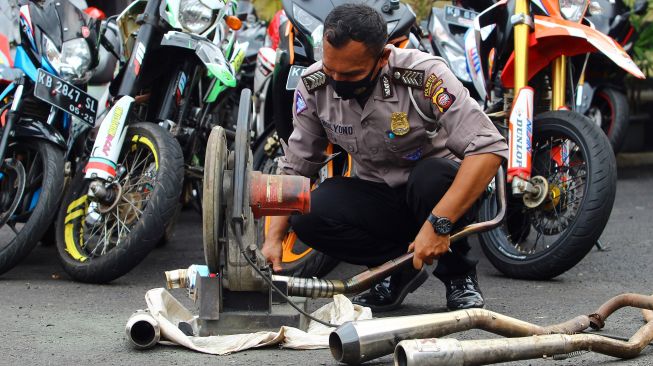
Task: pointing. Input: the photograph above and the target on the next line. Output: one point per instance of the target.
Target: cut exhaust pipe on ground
(143, 330)
(356, 342)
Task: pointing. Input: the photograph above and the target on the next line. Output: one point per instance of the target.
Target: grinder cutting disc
(213, 206)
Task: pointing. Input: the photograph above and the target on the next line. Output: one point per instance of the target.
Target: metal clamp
(522, 19)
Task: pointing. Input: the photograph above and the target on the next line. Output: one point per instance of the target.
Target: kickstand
(600, 246)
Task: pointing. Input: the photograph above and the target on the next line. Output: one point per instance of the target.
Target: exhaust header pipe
(143, 330)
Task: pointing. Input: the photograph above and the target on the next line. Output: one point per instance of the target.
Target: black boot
(463, 292)
(390, 293)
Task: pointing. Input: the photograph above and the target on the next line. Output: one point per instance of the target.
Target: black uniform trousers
(369, 223)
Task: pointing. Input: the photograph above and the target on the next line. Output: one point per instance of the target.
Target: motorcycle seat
(106, 67)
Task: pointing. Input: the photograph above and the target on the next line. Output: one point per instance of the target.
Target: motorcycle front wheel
(98, 242)
(575, 158)
(31, 184)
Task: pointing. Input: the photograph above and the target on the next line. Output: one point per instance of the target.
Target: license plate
(66, 97)
(459, 16)
(293, 76)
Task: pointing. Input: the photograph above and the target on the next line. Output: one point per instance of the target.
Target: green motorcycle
(179, 58)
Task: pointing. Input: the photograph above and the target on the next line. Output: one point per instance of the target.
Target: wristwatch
(441, 225)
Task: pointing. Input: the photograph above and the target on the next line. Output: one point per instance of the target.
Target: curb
(631, 160)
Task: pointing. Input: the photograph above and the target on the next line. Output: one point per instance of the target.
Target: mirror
(640, 7)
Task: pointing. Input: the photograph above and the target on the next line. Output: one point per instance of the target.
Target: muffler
(143, 330)
(452, 352)
(356, 342)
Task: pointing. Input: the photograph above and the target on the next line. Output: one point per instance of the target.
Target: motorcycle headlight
(52, 53)
(573, 10)
(75, 61)
(305, 19)
(195, 17)
(314, 27)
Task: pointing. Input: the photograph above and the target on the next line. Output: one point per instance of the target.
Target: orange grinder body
(279, 195)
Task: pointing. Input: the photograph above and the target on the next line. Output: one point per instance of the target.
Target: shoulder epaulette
(408, 77)
(314, 81)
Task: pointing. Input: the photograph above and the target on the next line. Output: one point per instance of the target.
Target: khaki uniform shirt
(389, 136)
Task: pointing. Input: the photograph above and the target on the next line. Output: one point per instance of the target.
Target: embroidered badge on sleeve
(300, 103)
(443, 99)
(431, 85)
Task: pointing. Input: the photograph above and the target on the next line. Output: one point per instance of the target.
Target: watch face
(443, 225)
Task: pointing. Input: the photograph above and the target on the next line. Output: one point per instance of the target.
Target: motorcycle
(46, 112)
(299, 46)
(561, 171)
(121, 202)
(600, 93)
(448, 28)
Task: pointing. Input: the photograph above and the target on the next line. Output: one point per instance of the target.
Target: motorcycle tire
(299, 259)
(143, 208)
(610, 111)
(589, 167)
(33, 216)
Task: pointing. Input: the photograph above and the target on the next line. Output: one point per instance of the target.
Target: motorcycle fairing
(474, 65)
(209, 53)
(557, 37)
(23, 62)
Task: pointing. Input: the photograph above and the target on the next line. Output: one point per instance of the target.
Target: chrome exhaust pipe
(360, 341)
(356, 342)
(441, 352)
(143, 330)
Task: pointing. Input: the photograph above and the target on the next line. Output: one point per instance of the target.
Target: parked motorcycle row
(105, 121)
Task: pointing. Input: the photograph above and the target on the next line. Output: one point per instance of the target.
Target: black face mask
(352, 89)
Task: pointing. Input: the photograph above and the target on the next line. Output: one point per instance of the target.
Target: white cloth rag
(169, 312)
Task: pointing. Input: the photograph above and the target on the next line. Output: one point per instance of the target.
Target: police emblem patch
(443, 99)
(300, 103)
(399, 124)
(431, 85)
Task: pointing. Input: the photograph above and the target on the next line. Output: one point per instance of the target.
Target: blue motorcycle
(45, 114)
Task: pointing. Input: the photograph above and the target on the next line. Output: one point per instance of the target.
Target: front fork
(12, 116)
(520, 123)
(102, 167)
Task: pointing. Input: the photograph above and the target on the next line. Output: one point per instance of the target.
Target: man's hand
(428, 246)
(272, 248)
(273, 251)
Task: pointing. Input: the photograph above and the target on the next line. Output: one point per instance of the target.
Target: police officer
(423, 153)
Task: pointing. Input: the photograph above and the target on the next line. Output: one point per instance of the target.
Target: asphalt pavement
(50, 320)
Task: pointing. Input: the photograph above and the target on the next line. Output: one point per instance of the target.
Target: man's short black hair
(356, 22)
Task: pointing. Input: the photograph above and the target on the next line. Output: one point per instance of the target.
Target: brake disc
(214, 205)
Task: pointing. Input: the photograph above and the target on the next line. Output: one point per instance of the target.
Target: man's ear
(385, 56)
